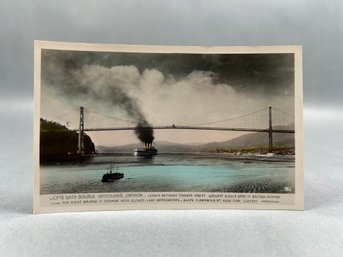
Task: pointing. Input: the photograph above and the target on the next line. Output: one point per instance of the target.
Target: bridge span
(270, 130)
(267, 130)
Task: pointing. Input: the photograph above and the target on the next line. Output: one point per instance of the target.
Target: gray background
(317, 25)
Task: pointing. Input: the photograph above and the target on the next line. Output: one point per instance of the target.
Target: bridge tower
(270, 130)
(81, 132)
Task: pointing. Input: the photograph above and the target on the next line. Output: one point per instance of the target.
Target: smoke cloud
(150, 96)
(115, 86)
(144, 132)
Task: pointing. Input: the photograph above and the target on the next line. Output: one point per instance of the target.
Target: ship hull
(110, 177)
(145, 152)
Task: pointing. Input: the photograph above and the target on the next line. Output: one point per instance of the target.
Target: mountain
(255, 140)
(251, 141)
(163, 146)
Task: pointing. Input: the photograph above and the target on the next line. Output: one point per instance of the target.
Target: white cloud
(163, 99)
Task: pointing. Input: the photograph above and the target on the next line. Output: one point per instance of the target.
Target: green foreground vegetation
(57, 141)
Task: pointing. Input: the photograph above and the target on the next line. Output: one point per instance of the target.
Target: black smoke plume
(77, 80)
(144, 132)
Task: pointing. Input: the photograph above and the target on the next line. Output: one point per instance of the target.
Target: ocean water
(172, 173)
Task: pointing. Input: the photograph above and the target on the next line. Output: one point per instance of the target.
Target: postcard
(122, 127)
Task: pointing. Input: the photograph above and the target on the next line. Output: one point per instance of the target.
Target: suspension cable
(286, 113)
(233, 118)
(110, 116)
(64, 114)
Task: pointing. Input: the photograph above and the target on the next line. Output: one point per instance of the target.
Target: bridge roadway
(193, 128)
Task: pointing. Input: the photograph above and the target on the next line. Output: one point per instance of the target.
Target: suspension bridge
(269, 124)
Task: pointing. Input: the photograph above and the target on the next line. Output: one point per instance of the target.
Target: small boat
(111, 176)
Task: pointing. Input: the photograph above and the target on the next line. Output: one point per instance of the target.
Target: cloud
(156, 97)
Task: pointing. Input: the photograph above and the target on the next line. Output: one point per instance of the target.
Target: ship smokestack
(147, 145)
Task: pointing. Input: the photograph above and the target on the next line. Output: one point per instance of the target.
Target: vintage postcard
(121, 127)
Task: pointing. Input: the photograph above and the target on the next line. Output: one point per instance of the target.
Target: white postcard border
(298, 84)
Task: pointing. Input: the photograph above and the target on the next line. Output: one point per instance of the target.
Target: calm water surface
(173, 173)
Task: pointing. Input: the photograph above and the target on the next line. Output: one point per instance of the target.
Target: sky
(122, 89)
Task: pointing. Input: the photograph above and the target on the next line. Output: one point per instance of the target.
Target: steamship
(147, 150)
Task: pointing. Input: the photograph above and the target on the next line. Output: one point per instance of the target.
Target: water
(172, 173)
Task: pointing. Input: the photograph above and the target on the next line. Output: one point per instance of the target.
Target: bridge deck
(194, 128)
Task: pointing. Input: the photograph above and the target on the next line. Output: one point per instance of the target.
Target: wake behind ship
(147, 150)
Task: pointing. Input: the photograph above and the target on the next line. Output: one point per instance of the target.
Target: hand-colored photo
(116, 121)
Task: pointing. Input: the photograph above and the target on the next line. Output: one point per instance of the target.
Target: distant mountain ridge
(163, 146)
(251, 140)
